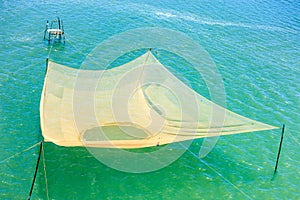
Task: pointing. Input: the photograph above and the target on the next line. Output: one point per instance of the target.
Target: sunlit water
(256, 48)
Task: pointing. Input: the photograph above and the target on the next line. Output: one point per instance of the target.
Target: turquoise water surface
(256, 48)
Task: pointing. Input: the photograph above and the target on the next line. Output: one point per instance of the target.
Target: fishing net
(138, 104)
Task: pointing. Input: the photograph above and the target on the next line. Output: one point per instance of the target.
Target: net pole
(36, 169)
(47, 60)
(279, 150)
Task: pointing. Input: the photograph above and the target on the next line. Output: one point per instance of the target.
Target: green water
(256, 48)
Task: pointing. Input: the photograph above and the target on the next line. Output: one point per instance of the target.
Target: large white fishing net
(138, 104)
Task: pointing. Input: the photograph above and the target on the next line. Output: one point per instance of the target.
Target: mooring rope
(45, 174)
(79, 51)
(71, 43)
(52, 43)
(18, 153)
(143, 67)
(28, 66)
(218, 173)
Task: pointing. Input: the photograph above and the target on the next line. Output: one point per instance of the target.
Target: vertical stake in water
(47, 61)
(282, 132)
(59, 35)
(36, 169)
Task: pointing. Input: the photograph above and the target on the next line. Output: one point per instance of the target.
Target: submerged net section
(139, 104)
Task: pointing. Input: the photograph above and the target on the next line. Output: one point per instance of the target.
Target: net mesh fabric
(138, 104)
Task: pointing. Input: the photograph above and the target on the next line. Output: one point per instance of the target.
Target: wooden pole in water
(282, 132)
(36, 169)
(47, 60)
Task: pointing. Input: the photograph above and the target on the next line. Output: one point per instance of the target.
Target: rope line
(91, 59)
(143, 68)
(71, 43)
(52, 43)
(16, 154)
(34, 64)
(45, 174)
(80, 52)
(218, 173)
(29, 66)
